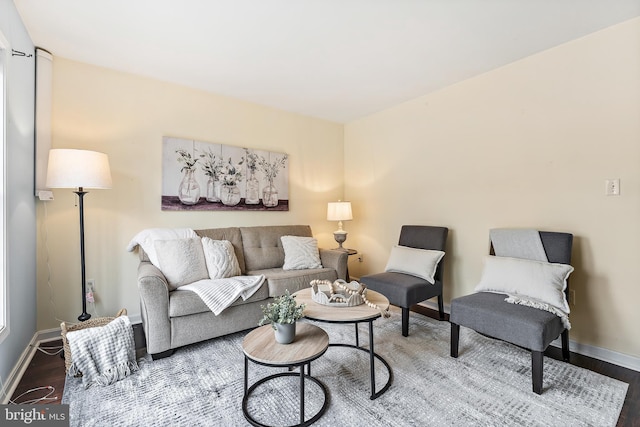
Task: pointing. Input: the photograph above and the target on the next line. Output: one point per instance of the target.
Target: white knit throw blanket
(219, 294)
(103, 354)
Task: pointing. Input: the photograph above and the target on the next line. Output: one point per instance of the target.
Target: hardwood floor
(48, 370)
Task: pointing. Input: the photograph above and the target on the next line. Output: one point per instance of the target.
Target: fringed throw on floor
(104, 354)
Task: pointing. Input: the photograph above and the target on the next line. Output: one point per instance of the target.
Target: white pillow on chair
(421, 263)
(542, 281)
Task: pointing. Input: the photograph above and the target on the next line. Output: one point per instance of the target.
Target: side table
(261, 348)
(356, 315)
(349, 252)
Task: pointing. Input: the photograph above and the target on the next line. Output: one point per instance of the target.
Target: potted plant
(283, 314)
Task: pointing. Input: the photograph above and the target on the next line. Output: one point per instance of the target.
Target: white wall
(526, 145)
(126, 117)
(20, 208)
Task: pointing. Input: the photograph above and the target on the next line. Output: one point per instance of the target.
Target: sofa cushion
(231, 234)
(181, 261)
(185, 303)
(220, 258)
(262, 245)
(300, 253)
(280, 280)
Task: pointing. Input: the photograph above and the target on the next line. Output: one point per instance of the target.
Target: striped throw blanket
(103, 354)
(219, 294)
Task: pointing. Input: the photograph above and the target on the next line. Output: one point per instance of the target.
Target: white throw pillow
(181, 261)
(220, 258)
(300, 253)
(539, 280)
(421, 263)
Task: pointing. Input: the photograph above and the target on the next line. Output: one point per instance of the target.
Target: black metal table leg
(303, 378)
(372, 362)
(357, 336)
(246, 374)
(302, 394)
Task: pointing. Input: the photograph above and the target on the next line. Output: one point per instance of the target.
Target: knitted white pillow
(421, 263)
(220, 258)
(181, 261)
(300, 253)
(542, 281)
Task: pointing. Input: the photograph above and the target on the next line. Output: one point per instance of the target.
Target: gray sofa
(173, 319)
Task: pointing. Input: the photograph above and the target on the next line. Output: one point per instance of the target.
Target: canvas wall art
(201, 176)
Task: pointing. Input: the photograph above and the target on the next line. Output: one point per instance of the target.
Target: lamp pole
(84, 316)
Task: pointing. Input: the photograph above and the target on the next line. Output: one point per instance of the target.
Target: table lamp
(79, 169)
(339, 211)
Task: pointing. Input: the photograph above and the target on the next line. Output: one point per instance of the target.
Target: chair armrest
(154, 307)
(337, 260)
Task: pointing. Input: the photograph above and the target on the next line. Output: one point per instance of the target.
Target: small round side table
(260, 347)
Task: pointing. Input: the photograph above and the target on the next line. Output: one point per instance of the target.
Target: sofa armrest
(154, 307)
(337, 260)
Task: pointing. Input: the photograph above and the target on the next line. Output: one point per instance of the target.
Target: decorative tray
(338, 293)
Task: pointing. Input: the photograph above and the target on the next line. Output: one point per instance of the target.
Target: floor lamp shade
(79, 169)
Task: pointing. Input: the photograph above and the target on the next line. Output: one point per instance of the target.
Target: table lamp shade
(78, 169)
(339, 211)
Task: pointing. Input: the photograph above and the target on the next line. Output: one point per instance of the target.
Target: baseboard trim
(603, 354)
(23, 362)
(18, 370)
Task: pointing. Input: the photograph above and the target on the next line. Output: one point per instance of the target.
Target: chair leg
(566, 354)
(441, 306)
(455, 338)
(405, 321)
(536, 371)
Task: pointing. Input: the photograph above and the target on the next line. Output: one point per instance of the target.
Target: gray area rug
(488, 385)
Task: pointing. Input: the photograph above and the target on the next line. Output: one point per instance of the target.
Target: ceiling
(333, 59)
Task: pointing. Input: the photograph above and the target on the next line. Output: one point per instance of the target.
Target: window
(4, 330)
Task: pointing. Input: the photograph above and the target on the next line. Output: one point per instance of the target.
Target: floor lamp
(79, 169)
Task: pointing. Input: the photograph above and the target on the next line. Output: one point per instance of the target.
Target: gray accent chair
(530, 328)
(404, 290)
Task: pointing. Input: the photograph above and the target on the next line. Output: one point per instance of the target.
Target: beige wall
(526, 145)
(126, 116)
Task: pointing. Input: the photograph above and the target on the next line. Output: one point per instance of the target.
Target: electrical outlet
(612, 187)
(90, 290)
(572, 297)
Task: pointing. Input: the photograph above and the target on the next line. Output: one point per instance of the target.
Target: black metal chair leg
(536, 371)
(566, 354)
(441, 306)
(455, 338)
(405, 321)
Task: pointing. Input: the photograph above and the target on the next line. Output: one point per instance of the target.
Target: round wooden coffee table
(260, 347)
(357, 314)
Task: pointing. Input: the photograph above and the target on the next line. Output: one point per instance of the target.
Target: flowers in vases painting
(201, 176)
